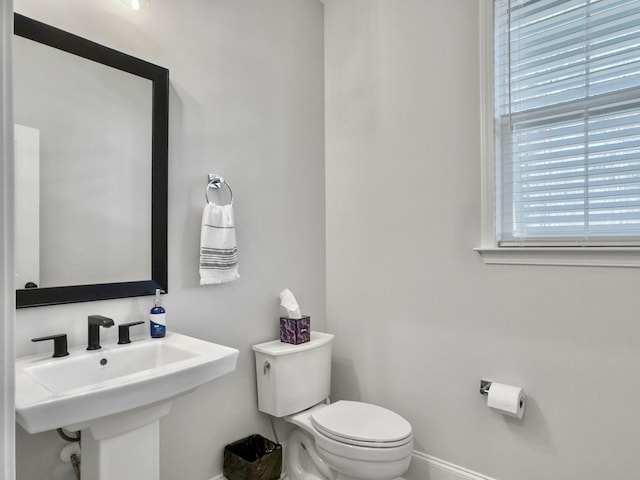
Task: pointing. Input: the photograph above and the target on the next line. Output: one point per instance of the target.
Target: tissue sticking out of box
(288, 301)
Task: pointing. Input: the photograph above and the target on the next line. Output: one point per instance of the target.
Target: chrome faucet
(95, 322)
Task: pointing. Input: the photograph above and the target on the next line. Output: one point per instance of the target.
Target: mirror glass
(91, 155)
(80, 170)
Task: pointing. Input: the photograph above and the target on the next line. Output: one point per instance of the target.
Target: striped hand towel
(218, 252)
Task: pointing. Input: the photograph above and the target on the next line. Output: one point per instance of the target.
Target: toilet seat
(362, 424)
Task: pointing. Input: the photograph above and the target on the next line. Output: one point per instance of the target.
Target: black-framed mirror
(154, 172)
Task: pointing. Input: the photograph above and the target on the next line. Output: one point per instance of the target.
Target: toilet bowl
(341, 441)
(354, 439)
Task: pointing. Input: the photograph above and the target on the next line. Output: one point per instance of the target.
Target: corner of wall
(7, 294)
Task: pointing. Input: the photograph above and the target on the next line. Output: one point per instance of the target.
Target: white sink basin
(87, 385)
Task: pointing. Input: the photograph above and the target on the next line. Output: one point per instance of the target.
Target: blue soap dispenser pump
(157, 318)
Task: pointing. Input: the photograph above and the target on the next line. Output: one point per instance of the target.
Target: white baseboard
(427, 467)
(222, 477)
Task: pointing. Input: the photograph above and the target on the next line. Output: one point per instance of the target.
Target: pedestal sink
(116, 396)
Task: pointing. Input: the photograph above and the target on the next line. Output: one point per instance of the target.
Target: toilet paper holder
(505, 399)
(484, 387)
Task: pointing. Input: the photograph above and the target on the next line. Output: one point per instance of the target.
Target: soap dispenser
(157, 318)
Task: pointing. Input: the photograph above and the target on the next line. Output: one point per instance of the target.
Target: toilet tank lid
(276, 347)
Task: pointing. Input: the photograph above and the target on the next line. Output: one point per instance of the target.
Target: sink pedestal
(125, 446)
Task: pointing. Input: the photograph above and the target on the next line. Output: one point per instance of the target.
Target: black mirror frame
(159, 76)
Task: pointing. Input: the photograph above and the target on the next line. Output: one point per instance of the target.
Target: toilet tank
(292, 378)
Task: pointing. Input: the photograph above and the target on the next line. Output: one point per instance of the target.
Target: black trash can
(252, 458)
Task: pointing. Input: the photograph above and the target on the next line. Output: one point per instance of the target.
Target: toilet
(336, 441)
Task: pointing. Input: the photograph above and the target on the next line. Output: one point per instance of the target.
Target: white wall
(419, 318)
(246, 103)
(7, 295)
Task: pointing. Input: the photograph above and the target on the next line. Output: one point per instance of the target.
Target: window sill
(568, 256)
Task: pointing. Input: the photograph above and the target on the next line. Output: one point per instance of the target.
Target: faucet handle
(123, 332)
(59, 344)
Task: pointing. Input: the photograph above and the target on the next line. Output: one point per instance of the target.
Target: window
(567, 122)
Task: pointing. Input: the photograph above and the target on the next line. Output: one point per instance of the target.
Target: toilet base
(305, 461)
(302, 461)
(342, 476)
(351, 469)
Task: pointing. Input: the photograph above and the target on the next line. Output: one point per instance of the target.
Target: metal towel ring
(215, 181)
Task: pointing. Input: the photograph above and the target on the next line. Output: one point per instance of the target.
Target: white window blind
(567, 121)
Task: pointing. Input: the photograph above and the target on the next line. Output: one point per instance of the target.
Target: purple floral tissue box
(295, 330)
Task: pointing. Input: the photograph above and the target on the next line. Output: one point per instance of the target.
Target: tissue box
(295, 330)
